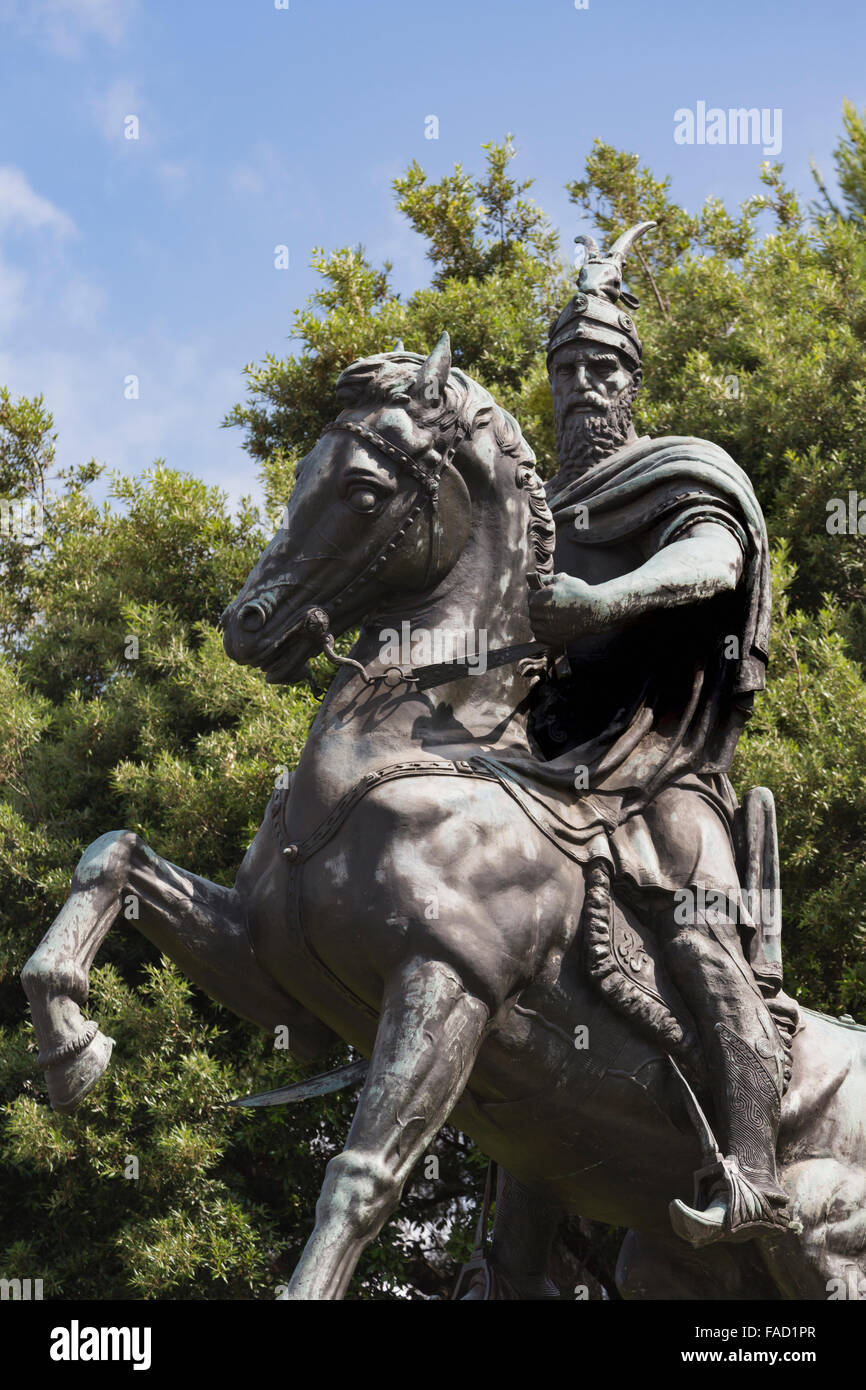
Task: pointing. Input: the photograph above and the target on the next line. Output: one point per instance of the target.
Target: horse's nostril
(252, 617)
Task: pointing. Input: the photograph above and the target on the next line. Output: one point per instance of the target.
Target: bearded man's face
(593, 391)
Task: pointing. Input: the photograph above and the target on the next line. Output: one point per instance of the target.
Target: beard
(584, 439)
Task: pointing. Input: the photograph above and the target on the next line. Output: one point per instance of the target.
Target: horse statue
(406, 895)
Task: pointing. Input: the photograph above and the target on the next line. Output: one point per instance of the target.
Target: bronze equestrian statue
(520, 885)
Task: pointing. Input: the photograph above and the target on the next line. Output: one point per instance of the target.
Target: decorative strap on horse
(428, 478)
(328, 827)
(317, 621)
(424, 677)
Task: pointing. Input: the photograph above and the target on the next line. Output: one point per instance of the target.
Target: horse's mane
(470, 406)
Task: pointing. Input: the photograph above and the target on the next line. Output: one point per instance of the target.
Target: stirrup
(737, 1208)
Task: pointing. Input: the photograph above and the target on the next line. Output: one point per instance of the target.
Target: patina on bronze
(437, 889)
(663, 598)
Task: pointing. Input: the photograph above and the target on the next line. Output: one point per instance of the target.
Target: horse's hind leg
(521, 1250)
(199, 925)
(426, 1045)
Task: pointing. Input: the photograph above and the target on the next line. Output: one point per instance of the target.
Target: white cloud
(126, 120)
(111, 110)
(173, 176)
(244, 180)
(264, 172)
(82, 302)
(13, 285)
(64, 26)
(23, 209)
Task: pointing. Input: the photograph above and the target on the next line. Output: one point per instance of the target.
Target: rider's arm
(705, 560)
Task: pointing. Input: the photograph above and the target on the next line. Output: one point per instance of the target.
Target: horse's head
(380, 508)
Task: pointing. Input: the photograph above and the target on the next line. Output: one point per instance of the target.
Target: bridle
(316, 622)
(427, 495)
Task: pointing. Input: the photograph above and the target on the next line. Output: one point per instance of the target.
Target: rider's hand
(565, 608)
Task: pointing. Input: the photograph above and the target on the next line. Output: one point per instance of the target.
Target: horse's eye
(363, 499)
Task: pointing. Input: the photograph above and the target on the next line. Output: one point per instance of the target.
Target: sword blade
(350, 1075)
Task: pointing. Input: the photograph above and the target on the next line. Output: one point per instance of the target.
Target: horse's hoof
(489, 1284)
(69, 1081)
(698, 1227)
(478, 1291)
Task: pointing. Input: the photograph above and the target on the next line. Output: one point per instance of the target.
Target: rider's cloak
(648, 725)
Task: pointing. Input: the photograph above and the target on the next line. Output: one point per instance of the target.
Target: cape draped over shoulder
(674, 739)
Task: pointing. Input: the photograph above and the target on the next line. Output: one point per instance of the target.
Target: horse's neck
(484, 601)
(484, 598)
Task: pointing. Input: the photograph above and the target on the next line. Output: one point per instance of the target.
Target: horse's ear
(433, 374)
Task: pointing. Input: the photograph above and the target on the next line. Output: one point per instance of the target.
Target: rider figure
(661, 599)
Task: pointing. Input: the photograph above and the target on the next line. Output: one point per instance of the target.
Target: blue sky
(261, 126)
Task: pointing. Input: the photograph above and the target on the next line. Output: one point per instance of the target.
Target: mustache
(587, 400)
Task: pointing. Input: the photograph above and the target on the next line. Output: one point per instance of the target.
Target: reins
(317, 620)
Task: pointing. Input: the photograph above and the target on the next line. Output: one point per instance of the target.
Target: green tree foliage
(118, 708)
(496, 285)
(754, 324)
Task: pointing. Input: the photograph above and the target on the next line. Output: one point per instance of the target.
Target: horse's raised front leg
(199, 925)
(426, 1045)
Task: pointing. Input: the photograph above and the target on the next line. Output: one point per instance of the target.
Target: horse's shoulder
(461, 822)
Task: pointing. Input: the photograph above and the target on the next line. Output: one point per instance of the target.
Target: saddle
(621, 952)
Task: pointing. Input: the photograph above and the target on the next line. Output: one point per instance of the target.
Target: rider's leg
(746, 1062)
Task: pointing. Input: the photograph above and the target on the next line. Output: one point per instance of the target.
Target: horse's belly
(567, 1095)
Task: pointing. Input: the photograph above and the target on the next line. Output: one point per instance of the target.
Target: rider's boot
(740, 1196)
